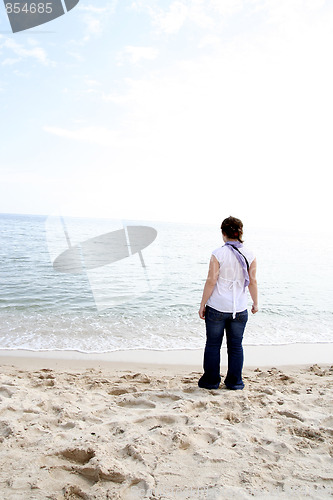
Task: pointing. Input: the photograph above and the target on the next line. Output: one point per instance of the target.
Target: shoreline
(254, 356)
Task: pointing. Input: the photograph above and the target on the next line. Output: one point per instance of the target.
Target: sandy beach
(132, 426)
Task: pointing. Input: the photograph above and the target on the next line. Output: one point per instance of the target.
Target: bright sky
(188, 110)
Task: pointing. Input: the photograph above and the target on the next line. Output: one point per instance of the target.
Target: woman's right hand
(202, 311)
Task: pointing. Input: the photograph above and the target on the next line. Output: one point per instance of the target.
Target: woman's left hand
(254, 308)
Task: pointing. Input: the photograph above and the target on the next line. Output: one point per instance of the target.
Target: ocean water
(65, 286)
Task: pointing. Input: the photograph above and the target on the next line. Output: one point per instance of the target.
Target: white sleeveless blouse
(229, 294)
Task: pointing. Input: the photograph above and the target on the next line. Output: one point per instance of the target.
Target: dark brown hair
(233, 228)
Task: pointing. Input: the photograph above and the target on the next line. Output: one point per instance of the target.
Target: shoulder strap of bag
(247, 264)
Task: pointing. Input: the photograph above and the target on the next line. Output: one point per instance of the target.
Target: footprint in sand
(286, 379)
(138, 403)
(131, 450)
(204, 436)
(77, 455)
(5, 430)
(6, 392)
(308, 433)
(291, 414)
(233, 418)
(138, 377)
(167, 396)
(156, 420)
(182, 440)
(72, 492)
(119, 391)
(191, 380)
(96, 471)
(191, 389)
(328, 422)
(68, 425)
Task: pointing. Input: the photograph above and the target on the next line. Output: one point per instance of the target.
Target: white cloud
(203, 14)
(37, 53)
(9, 61)
(93, 25)
(226, 7)
(95, 19)
(210, 41)
(92, 86)
(172, 20)
(93, 9)
(119, 98)
(21, 177)
(96, 135)
(135, 54)
(92, 83)
(76, 56)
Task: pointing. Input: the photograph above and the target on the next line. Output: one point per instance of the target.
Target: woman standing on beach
(223, 306)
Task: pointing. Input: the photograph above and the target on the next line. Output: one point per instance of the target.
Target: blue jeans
(216, 323)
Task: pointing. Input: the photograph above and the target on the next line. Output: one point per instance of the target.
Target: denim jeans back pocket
(242, 316)
(213, 314)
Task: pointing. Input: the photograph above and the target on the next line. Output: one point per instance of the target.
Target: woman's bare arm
(253, 286)
(213, 274)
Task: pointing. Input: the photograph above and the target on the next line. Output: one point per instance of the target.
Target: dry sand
(116, 431)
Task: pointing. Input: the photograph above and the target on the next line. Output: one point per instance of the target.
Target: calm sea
(128, 295)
